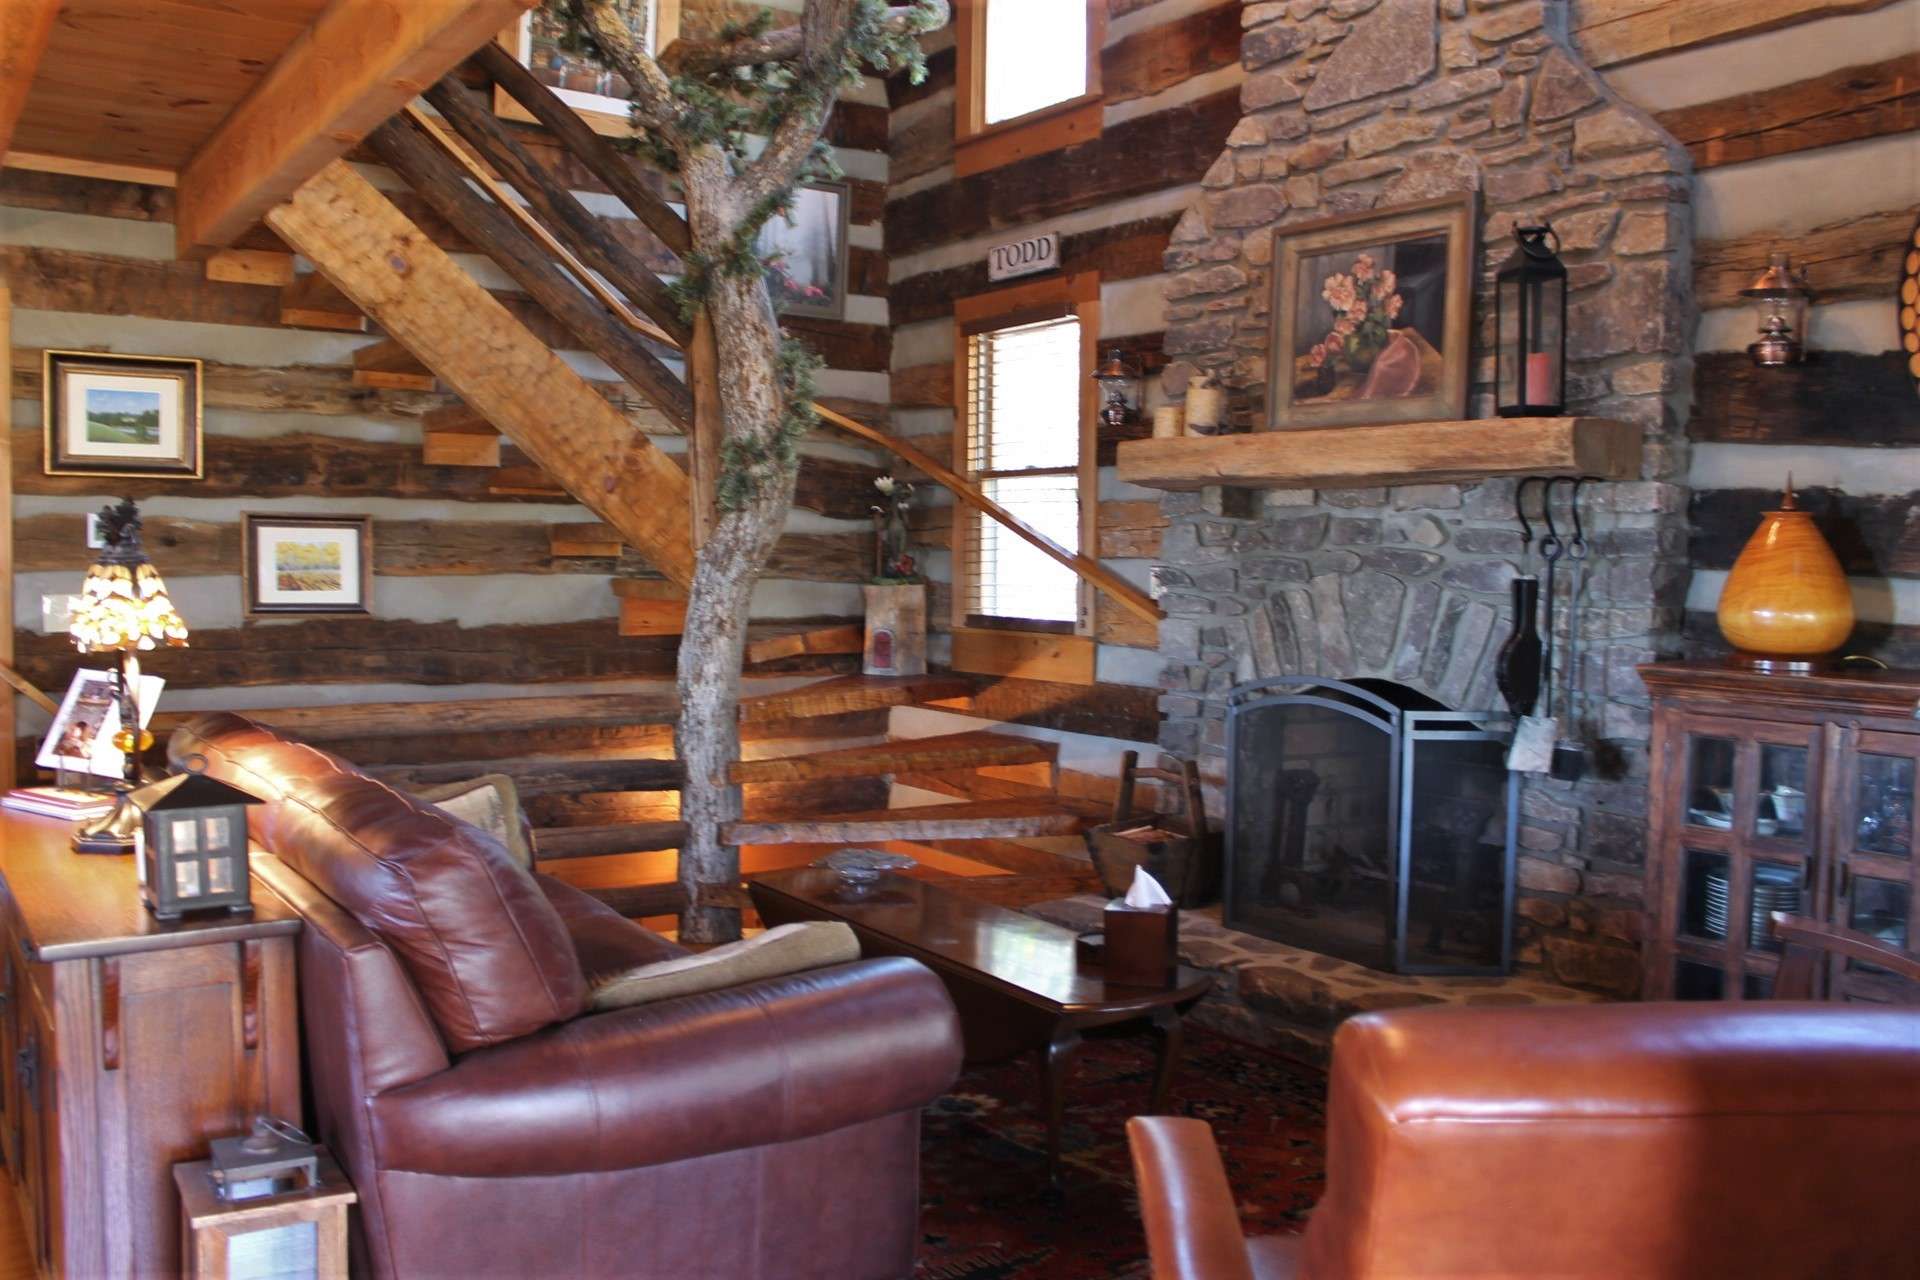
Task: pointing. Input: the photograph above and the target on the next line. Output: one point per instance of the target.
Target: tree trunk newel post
(694, 108)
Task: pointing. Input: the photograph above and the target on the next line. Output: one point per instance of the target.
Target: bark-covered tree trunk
(712, 644)
(727, 196)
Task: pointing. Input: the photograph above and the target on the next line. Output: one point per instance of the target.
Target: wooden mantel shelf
(1404, 453)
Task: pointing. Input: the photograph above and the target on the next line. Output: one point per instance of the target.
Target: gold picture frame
(121, 416)
(1372, 316)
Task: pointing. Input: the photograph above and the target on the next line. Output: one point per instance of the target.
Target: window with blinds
(1023, 450)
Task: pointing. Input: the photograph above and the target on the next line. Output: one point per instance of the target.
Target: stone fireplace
(1361, 104)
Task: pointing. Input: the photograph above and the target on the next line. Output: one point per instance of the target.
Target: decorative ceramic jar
(1786, 606)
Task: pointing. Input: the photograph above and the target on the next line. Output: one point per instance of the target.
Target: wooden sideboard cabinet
(125, 1045)
(1788, 793)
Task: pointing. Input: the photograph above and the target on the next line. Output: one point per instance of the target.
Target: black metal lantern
(194, 844)
(1530, 326)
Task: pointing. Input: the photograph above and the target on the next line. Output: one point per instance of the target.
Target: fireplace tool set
(1546, 739)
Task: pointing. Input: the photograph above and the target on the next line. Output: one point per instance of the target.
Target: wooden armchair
(1808, 943)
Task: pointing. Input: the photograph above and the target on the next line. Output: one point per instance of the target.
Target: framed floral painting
(1372, 316)
(807, 252)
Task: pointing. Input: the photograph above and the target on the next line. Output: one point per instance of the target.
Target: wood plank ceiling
(144, 82)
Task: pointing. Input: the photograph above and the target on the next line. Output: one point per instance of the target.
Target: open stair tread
(854, 693)
(971, 750)
(546, 775)
(981, 819)
(554, 843)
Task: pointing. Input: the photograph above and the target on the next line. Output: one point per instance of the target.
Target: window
(1023, 449)
(1023, 433)
(1036, 56)
(1028, 76)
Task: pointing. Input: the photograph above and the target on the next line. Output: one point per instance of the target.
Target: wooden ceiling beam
(360, 62)
(25, 26)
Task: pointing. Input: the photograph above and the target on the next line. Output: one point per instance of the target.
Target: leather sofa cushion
(750, 1066)
(489, 954)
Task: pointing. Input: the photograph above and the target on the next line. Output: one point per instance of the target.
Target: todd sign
(1024, 257)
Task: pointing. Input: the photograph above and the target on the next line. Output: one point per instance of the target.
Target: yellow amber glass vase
(1786, 605)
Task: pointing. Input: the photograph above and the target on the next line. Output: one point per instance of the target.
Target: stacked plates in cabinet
(1774, 889)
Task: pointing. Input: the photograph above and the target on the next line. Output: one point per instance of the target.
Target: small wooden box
(1142, 947)
(302, 1233)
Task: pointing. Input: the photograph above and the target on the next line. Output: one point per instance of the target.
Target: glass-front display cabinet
(1778, 793)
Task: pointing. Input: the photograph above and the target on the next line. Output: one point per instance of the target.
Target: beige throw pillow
(490, 802)
(791, 948)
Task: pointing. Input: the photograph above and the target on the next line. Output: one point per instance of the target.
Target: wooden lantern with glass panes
(298, 1234)
(193, 854)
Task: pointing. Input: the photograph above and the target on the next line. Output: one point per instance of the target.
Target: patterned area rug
(987, 1213)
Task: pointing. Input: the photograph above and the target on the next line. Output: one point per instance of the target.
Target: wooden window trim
(1010, 651)
(979, 146)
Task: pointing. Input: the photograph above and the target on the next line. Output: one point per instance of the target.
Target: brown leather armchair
(494, 1126)
(1657, 1140)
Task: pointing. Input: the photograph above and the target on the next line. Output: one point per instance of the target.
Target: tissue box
(1142, 946)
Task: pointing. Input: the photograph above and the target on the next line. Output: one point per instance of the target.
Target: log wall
(1171, 89)
(1803, 138)
(474, 593)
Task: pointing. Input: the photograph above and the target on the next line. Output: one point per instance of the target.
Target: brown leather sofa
(494, 1127)
(1655, 1140)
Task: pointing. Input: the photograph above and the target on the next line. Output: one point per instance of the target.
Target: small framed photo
(80, 739)
(307, 564)
(807, 246)
(107, 415)
(1371, 314)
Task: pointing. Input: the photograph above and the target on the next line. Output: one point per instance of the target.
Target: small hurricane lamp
(1119, 379)
(1782, 297)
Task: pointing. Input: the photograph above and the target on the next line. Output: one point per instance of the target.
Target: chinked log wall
(485, 600)
(1170, 79)
(1818, 155)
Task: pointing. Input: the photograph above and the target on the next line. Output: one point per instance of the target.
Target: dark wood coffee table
(1014, 978)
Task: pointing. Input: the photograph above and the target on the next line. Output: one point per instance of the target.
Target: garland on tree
(716, 103)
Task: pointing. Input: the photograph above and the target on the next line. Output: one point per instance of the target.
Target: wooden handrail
(29, 689)
(1130, 597)
(530, 93)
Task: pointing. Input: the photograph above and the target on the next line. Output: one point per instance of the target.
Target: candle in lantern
(1539, 377)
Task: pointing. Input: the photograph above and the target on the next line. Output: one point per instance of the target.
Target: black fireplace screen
(1366, 821)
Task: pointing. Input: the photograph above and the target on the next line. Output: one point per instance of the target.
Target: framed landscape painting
(1371, 316)
(106, 415)
(307, 564)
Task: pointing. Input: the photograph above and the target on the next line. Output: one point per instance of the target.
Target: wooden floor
(16, 1254)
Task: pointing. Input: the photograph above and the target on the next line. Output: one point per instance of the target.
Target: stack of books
(58, 802)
